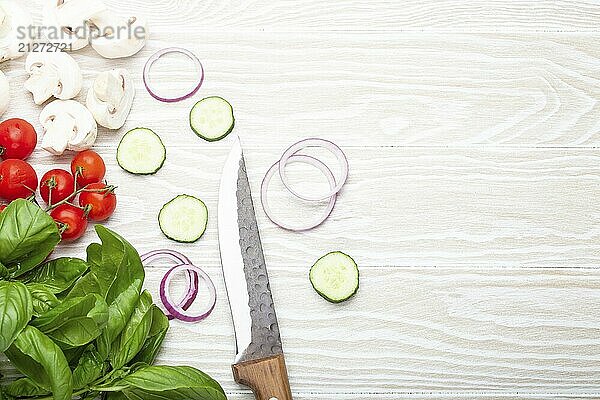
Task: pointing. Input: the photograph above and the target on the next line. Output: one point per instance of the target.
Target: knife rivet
(273, 398)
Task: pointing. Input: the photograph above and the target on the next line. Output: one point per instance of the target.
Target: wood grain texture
(352, 15)
(374, 89)
(401, 206)
(267, 377)
(421, 331)
(490, 333)
(473, 137)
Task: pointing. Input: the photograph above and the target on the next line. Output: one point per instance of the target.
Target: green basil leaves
(27, 236)
(82, 328)
(16, 309)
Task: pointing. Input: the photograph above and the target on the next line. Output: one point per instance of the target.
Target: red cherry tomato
(101, 205)
(90, 166)
(17, 139)
(56, 185)
(17, 180)
(71, 221)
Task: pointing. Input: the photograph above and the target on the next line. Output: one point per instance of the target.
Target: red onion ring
(294, 159)
(314, 142)
(155, 58)
(192, 276)
(177, 311)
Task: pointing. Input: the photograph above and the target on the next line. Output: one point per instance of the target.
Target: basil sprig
(82, 328)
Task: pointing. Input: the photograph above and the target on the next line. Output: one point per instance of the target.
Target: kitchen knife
(259, 362)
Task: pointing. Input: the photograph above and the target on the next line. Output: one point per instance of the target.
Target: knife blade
(259, 361)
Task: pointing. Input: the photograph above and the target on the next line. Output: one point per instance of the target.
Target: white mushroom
(111, 97)
(4, 93)
(114, 36)
(68, 125)
(14, 30)
(52, 74)
(65, 21)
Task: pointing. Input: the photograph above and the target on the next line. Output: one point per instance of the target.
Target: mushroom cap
(12, 16)
(120, 35)
(4, 93)
(111, 97)
(53, 74)
(68, 18)
(72, 122)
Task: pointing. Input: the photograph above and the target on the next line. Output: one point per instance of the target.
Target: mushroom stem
(42, 83)
(109, 88)
(68, 125)
(58, 133)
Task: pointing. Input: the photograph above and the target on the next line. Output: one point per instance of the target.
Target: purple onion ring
(314, 142)
(177, 311)
(158, 55)
(306, 160)
(177, 258)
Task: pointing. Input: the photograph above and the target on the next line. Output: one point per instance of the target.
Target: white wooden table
(473, 133)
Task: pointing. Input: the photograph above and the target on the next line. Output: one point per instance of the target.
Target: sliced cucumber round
(212, 118)
(141, 152)
(335, 277)
(183, 219)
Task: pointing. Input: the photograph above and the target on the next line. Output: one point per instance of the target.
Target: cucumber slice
(183, 219)
(141, 152)
(212, 118)
(335, 277)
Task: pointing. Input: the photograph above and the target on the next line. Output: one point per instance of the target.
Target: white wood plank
(401, 206)
(375, 90)
(351, 15)
(421, 330)
(490, 160)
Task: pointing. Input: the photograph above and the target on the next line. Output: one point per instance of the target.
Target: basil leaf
(131, 340)
(37, 356)
(89, 368)
(4, 395)
(119, 312)
(4, 273)
(57, 275)
(158, 331)
(116, 396)
(115, 262)
(75, 322)
(73, 355)
(25, 387)
(27, 236)
(89, 396)
(176, 383)
(85, 285)
(16, 309)
(43, 298)
(120, 275)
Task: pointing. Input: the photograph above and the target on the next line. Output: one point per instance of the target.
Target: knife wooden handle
(267, 377)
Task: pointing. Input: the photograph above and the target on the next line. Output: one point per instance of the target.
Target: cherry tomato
(90, 166)
(101, 205)
(17, 180)
(56, 185)
(71, 221)
(17, 139)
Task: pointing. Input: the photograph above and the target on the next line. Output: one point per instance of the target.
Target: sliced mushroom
(65, 21)
(68, 125)
(114, 36)
(111, 97)
(14, 24)
(4, 93)
(52, 74)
